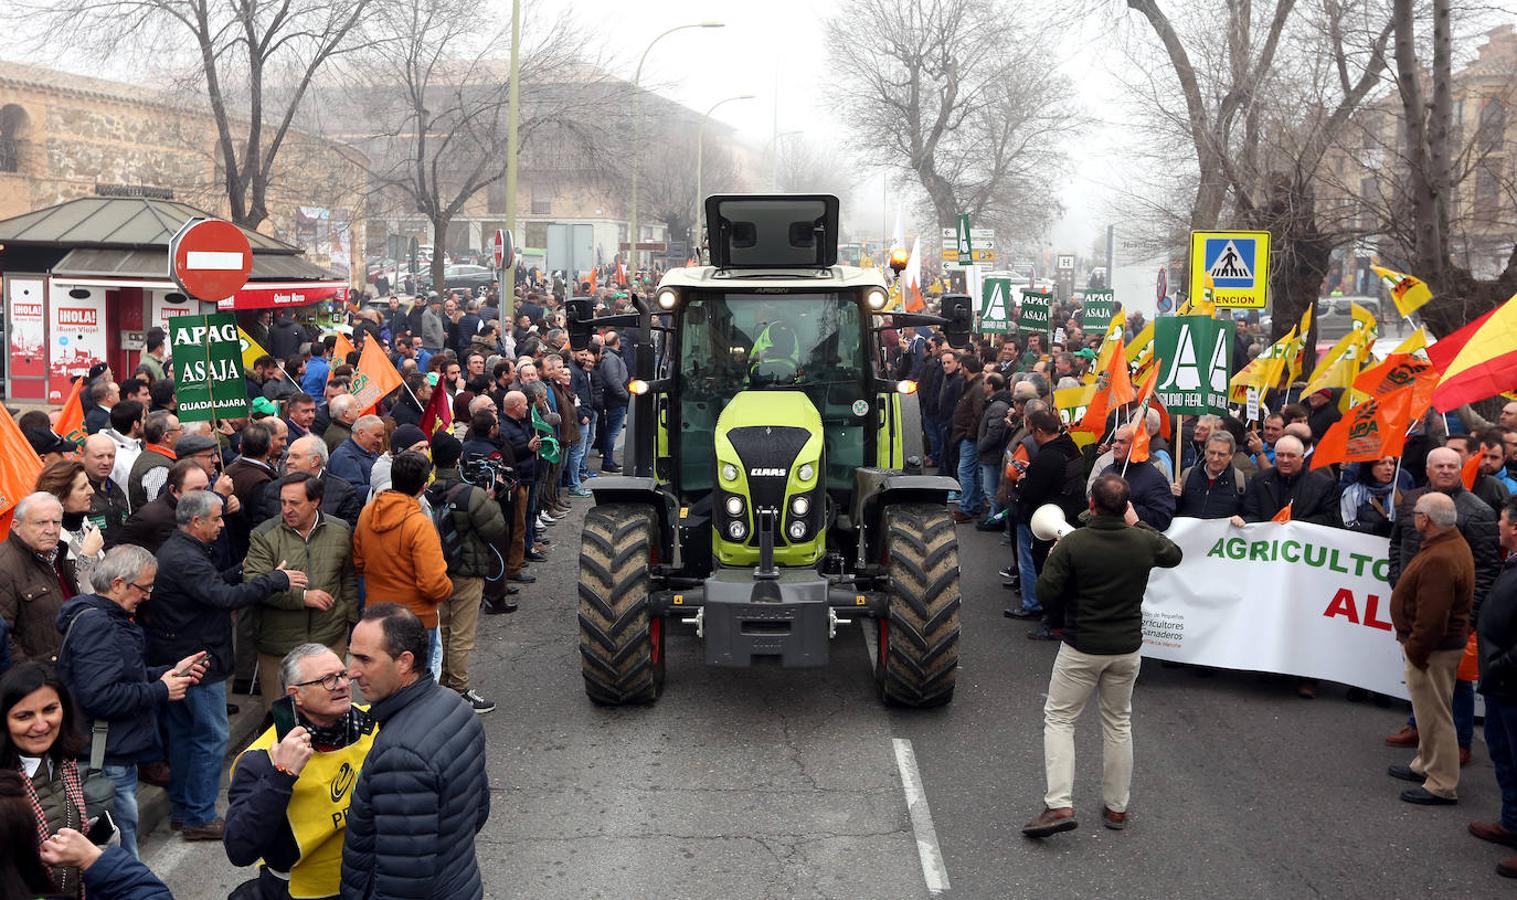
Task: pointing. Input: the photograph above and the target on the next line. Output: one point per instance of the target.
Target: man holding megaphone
(1093, 584)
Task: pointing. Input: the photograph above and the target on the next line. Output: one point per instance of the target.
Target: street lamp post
(637, 141)
(774, 158)
(700, 137)
(513, 117)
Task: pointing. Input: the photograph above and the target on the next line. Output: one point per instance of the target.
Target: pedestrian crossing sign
(1233, 264)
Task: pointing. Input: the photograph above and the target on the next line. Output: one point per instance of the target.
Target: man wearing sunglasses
(288, 802)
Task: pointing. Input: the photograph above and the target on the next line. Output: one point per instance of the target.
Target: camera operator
(477, 523)
(486, 463)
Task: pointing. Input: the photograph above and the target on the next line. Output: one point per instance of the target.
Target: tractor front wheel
(919, 641)
(620, 645)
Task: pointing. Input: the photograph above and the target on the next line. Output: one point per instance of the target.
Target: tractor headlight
(734, 505)
(797, 530)
(876, 298)
(806, 472)
(729, 472)
(800, 505)
(737, 529)
(667, 298)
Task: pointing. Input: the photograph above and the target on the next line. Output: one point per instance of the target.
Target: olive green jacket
(283, 620)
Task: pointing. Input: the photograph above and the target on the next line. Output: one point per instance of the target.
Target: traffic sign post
(1237, 262)
(505, 263)
(210, 259)
(981, 244)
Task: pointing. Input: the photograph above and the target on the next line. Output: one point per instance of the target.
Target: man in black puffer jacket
(423, 794)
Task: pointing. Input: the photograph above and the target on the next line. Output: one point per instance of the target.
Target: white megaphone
(1048, 523)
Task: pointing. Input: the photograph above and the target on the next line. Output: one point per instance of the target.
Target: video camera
(491, 474)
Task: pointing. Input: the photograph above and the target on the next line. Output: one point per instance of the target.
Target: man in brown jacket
(1430, 609)
(32, 569)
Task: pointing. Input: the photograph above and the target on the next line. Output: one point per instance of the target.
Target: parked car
(462, 278)
(1335, 318)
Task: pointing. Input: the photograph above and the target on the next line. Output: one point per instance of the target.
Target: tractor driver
(776, 357)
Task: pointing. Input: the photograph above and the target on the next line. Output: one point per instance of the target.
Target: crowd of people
(311, 545)
(1447, 505)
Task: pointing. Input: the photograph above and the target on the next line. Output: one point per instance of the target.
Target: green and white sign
(1032, 317)
(995, 305)
(966, 248)
(1098, 308)
(1195, 356)
(207, 354)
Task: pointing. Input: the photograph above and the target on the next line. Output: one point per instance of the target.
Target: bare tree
(930, 89)
(430, 107)
(668, 189)
(808, 167)
(254, 60)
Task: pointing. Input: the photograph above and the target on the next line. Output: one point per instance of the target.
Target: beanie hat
(406, 437)
(446, 449)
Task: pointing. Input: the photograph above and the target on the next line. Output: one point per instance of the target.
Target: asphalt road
(770, 783)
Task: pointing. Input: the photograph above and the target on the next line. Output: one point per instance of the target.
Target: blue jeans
(1464, 713)
(125, 814)
(587, 442)
(197, 727)
(934, 437)
(1501, 743)
(990, 481)
(434, 653)
(575, 461)
(1027, 570)
(970, 493)
(616, 416)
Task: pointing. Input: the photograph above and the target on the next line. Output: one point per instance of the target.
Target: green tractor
(773, 486)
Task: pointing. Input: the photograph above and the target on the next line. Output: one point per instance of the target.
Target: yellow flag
(1264, 371)
(251, 349)
(1415, 343)
(1364, 321)
(1114, 330)
(1408, 292)
(1141, 342)
(1341, 366)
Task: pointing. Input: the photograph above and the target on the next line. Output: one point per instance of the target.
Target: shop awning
(272, 295)
(92, 262)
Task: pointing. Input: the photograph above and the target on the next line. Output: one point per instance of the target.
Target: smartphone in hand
(283, 711)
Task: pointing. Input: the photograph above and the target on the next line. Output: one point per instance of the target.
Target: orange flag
(375, 377)
(1372, 430)
(340, 351)
(19, 467)
(1117, 391)
(71, 419)
(1472, 472)
(1401, 371)
(1284, 515)
(1139, 423)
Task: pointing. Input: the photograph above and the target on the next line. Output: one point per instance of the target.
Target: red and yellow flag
(1484, 362)
(438, 416)
(375, 377)
(71, 419)
(19, 467)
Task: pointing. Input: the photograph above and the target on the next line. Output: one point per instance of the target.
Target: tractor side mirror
(960, 315)
(579, 315)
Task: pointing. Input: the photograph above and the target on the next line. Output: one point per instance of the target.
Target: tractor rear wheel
(919, 641)
(620, 645)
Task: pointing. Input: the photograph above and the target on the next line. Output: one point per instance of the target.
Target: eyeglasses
(145, 588)
(330, 682)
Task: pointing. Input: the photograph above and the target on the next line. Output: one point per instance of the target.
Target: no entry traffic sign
(210, 259)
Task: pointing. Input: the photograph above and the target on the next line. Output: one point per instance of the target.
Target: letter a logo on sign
(995, 305)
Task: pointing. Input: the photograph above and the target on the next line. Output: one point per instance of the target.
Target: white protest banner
(1294, 599)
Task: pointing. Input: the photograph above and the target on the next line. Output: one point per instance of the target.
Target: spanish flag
(1407, 292)
(1479, 360)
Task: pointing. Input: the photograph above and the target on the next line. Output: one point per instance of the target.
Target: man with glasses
(288, 802)
(102, 661)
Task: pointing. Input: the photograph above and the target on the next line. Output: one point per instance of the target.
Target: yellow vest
(318, 813)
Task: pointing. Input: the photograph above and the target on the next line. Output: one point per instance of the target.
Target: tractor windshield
(737, 341)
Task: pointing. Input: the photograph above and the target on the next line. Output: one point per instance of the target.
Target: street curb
(153, 801)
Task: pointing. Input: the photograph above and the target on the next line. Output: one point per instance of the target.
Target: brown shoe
(960, 517)
(210, 831)
(1116, 821)
(154, 773)
(1507, 868)
(1493, 832)
(1051, 822)
(1464, 757)
(1406, 737)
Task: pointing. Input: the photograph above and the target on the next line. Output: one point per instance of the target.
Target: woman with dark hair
(41, 740)
(108, 873)
(67, 480)
(1368, 504)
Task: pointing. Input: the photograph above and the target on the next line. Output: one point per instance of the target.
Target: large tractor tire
(919, 640)
(620, 645)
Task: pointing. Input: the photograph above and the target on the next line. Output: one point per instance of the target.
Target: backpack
(448, 499)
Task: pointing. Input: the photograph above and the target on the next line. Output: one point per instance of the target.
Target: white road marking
(928, 850)
(213, 260)
(167, 858)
